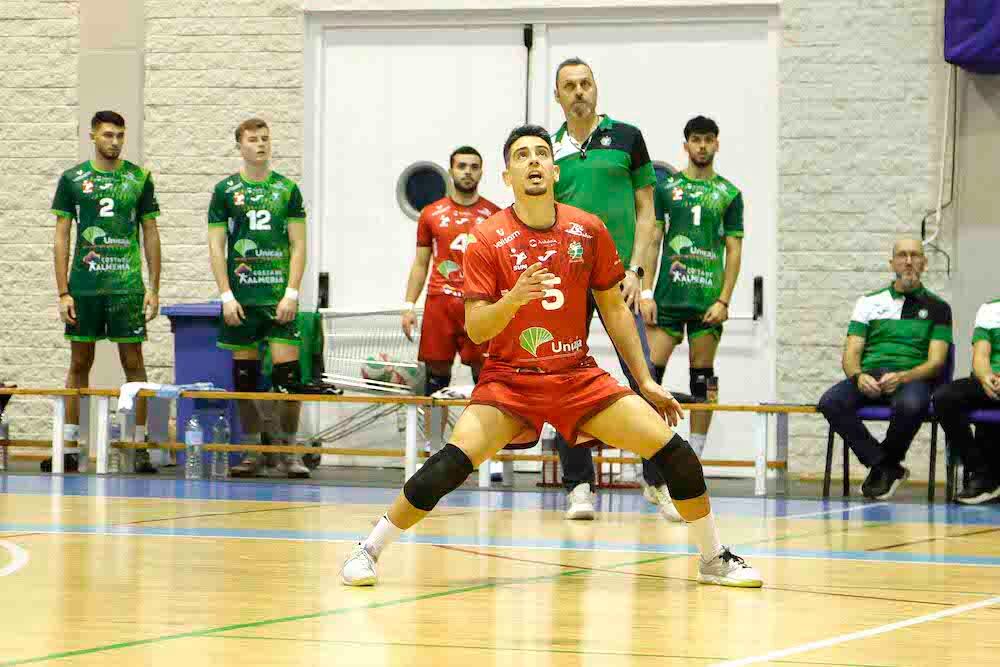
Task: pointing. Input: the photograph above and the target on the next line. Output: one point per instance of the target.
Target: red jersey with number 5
(444, 226)
(548, 334)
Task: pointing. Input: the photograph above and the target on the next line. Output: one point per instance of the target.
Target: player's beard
(909, 281)
(109, 153)
(701, 163)
(470, 190)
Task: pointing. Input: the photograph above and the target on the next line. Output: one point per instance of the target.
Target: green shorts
(116, 317)
(260, 324)
(674, 326)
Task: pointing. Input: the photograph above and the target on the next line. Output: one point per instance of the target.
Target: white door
(393, 97)
(659, 77)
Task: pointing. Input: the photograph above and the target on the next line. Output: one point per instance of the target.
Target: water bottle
(194, 438)
(220, 436)
(114, 453)
(4, 436)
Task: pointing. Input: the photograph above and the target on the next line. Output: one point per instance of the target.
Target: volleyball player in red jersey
(527, 273)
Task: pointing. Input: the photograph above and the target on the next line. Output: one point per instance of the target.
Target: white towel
(460, 392)
(126, 397)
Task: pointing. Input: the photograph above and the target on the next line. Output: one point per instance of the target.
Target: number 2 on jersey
(260, 221)
(107, 207)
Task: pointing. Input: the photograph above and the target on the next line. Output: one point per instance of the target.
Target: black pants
(909, 404)
(952, 404)
(577, 464)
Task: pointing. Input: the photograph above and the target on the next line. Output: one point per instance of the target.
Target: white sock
(140, 434)
(383, 534)
(706, 536)
(71, 432)
(697, 441)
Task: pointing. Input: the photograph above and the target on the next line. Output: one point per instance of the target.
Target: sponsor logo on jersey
(561, 347)
(233, 186)
(275, 195)
(576, 229)
(88, 187)
(532, 337)
(239, 199)
(256, 197)
(93, 234)
(677, 194)
(538, 242)
(605, 141)
(461, 221)
(922, 314)
(542, 258)
(480, 219)
(80, 175)
(506, 239)
(440, 209)
(485, 211)
(575, 251)
(696, 194)
(444, 221)
(105, 186)
(519, 259)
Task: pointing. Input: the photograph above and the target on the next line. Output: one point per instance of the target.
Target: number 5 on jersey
(553, 299)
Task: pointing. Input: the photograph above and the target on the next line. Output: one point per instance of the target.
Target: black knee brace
(658, 372)
(440, 475)
(699, 382)
(680, 468)
(435, 383)
(246, 373)
(285, 376)
(475, 373)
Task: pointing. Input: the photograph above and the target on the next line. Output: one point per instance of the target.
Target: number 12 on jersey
(260, 221)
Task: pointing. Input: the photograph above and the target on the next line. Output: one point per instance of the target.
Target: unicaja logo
(531, 338)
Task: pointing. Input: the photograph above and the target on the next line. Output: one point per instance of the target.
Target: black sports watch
(637, 270)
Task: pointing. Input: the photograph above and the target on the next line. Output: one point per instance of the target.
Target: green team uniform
(602, 175)
(698, 216)
(898, 328)
(988, 328)
(105, 278)
(256, 216)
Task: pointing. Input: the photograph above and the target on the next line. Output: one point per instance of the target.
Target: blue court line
(618, 501)
(494, 541)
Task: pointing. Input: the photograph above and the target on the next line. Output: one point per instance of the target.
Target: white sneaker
(293, 466)
(250, 466)
(581, 503)
(359, 568)
(728, 569)
(660, 496)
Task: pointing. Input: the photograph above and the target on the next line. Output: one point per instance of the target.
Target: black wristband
(62, 294)
(724, 303)
(854, 379)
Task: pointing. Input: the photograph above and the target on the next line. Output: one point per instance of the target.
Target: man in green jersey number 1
(699, 217)
(104, 296)
(257, 244)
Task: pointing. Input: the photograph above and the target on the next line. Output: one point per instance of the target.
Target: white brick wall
(209, 66)
(39, 45)
(857, 157)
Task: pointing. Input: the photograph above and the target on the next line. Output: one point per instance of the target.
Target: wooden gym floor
(165, 572)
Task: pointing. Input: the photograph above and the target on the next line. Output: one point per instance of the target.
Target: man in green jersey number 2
(104, 296)
(257, 244)
(699, 217)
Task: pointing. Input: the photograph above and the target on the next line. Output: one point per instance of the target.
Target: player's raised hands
(531, 285)
(663, 401)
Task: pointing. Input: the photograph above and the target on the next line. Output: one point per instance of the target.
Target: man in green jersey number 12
(104, 296)
(257, 244)
(699, 217)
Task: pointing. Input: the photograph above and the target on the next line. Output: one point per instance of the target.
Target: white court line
(18, 558)
(863, 634)
(855, 508)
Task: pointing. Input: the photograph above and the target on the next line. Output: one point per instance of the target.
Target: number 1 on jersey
(697, 215)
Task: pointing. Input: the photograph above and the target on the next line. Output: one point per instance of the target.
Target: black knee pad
(440, 475)
(246, 373)
(680, 468)
(285, 376)
(435, 383)
(699, 381)
(658, 373)
(475, 373)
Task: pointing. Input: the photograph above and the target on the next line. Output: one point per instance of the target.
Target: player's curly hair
(524, 131)
(700, 125)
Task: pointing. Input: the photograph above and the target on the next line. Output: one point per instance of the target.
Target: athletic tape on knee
(435, 383)
(285, 375)
(440, 475)
(246, 372)
(680, 469)
(658, 373)
(699, 381)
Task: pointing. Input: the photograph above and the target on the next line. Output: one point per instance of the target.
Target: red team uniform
(445, 227)
(539, 368)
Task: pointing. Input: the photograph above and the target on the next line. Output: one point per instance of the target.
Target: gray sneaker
(251, 466)
(293, 466)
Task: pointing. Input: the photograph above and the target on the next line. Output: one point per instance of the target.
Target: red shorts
(566, 399)
(442, 333)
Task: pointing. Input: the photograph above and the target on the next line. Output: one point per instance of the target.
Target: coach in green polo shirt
(604, 169)
(952, 403)
(897, 343)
